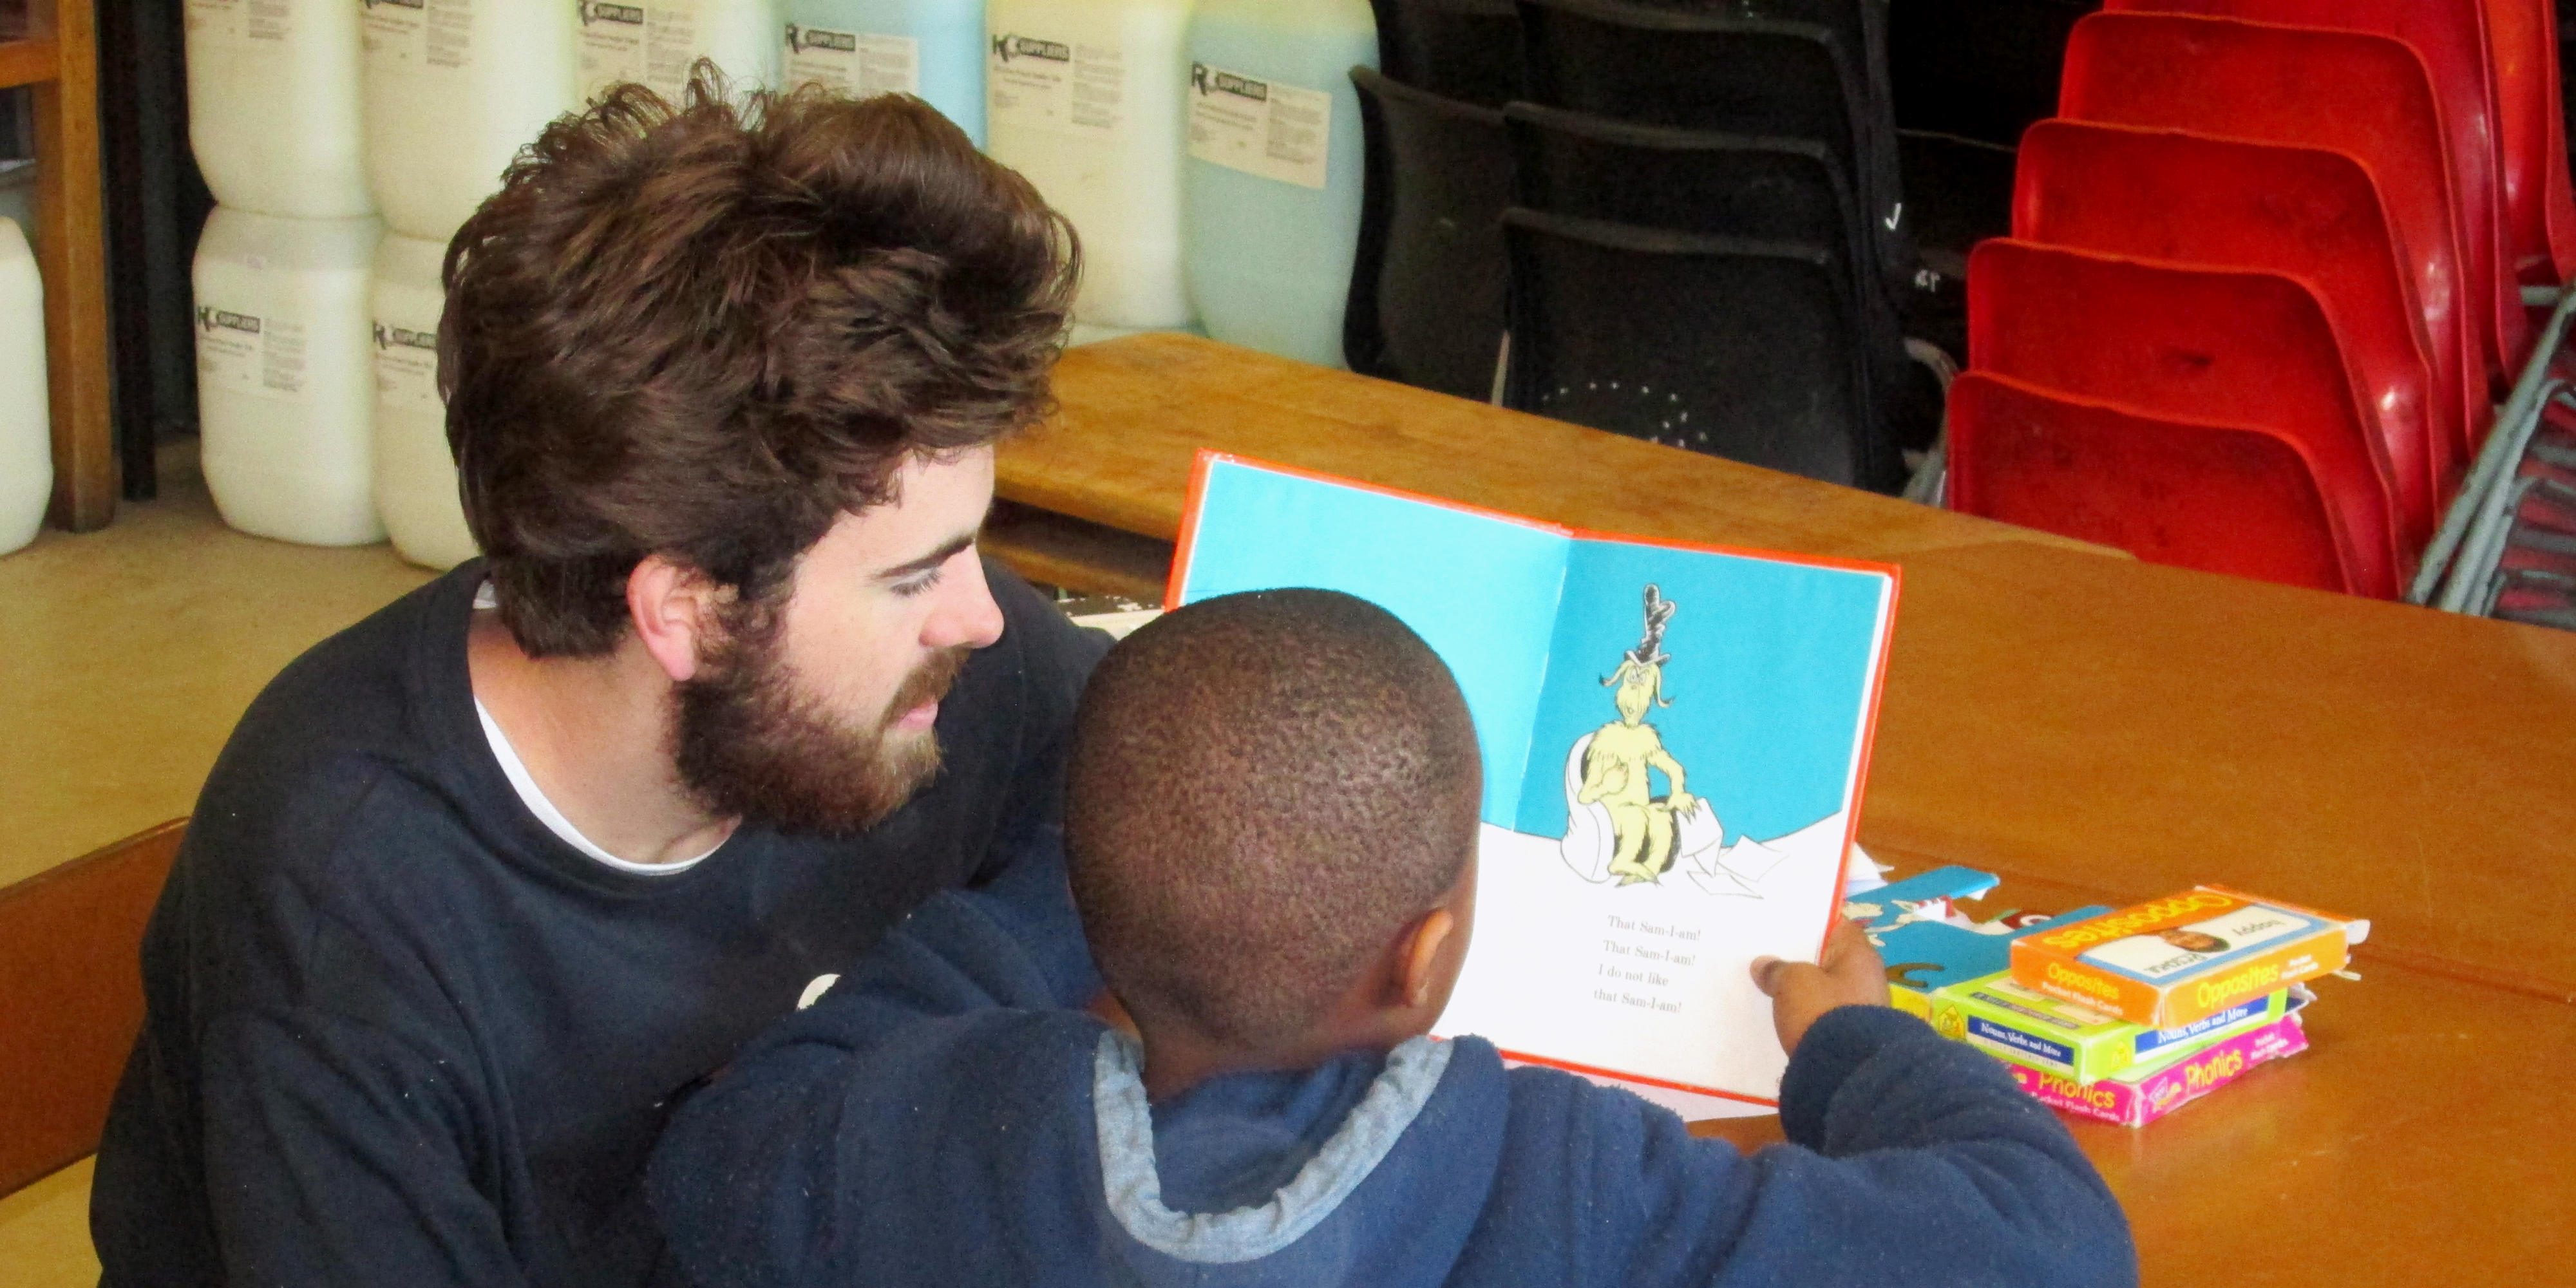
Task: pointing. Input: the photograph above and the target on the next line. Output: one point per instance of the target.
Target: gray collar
(1135, 1189)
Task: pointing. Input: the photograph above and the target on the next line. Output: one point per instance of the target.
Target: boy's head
(1271, 823)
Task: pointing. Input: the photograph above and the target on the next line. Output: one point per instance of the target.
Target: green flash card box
(2051, 1035)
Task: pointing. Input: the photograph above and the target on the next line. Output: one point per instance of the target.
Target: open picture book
(1674, 743)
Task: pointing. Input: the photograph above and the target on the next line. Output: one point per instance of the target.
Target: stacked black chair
(1706, 242)
(1776, 190)
(1426, 302)
(1733, 168)
(1468, 50)
(1725, 345)
(1717, 71)
(1980, 70)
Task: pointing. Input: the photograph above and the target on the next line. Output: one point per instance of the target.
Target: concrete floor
(126, 656)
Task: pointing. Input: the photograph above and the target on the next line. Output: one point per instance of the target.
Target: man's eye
(917, 585)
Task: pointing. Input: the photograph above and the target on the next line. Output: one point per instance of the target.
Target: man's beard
(751, 746)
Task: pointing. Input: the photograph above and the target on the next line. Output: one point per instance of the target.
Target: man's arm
(333, 1130)
(335, 1155)
(748, 1180)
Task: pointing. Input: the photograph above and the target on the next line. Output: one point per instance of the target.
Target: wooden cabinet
(56, 55)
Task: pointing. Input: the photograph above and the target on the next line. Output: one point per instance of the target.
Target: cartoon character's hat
(1659, 610)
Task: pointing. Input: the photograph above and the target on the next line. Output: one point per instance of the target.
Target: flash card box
(2072, 1040)
(2168, 962)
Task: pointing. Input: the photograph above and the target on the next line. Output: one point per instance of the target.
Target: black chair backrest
(1724, 185)
(1685, 180)
(1711, 71)
(1979, 69)
(1426, 304)
(1738, 348)
(1469, 50)
(1861, 26)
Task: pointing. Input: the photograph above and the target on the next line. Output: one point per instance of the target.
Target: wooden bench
(71, 972)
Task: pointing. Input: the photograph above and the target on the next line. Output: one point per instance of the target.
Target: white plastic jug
(26, 428)
(286, 386)
(656, 42)
(18, 196)
(1084, 97)
(933, 49)
(1271, 190)
(273, 105)
(454, 88)
(415, 474)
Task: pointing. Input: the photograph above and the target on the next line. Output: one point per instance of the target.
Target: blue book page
(1481, 590)
(1764, 681)
(1693, 764)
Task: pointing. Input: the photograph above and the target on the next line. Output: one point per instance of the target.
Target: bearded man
(482, 884)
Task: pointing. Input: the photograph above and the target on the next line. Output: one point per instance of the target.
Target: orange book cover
(1675, 742)
(2182, 958)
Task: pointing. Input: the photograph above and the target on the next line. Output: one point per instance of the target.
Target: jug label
(1262, 127)
(250, 354)
(651, 43)
(420, 33)
(853, 63)
(1051, 85)
(238, 20)
(407, 369)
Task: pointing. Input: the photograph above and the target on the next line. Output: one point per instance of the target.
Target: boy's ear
(1418, 957)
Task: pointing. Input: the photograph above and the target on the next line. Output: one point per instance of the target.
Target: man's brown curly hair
(706, 329)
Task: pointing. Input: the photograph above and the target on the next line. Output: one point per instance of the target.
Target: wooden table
(2095, 730)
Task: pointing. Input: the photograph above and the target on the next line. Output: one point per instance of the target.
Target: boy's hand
(1850, 974)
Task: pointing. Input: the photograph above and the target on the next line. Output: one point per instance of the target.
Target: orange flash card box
(2170, 962)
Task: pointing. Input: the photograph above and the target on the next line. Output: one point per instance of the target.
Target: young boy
(1270, 825)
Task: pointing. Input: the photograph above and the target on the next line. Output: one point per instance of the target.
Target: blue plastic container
(930, 48)
(1271, 191)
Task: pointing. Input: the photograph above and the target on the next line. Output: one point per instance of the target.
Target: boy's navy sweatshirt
(940, 1117)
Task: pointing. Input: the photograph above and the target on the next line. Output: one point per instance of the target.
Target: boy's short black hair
(1264, 789)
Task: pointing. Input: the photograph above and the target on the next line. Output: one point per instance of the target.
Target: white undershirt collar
(535, 799)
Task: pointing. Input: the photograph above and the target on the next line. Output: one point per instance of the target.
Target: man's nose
(966, 614)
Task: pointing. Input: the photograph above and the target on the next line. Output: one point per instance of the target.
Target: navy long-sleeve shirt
(939, 1118)
(398, 1032)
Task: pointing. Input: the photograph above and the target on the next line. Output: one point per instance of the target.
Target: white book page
(1649, 981)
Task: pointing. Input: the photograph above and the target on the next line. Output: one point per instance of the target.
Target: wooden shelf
(26, 62)
(59, 59)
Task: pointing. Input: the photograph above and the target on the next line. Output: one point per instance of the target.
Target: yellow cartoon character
(1617, 762)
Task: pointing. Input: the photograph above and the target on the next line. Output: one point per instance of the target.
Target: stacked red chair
(2266, 282)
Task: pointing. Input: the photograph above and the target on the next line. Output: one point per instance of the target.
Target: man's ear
(1418, 957)
(673, 608)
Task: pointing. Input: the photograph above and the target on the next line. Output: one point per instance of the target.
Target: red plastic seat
(2308, 213)
(2193, 343)
(2222, 498)
(2351, 91)
(2540, 215)
(2451, 37)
